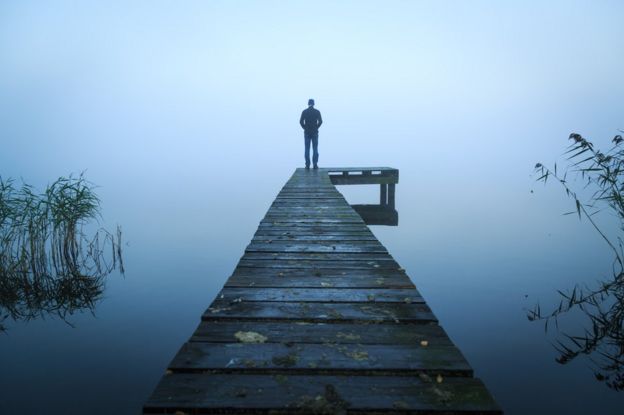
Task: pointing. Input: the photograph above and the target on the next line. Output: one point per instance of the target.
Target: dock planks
(319, 318)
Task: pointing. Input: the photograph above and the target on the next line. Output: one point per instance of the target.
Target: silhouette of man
(310, 121)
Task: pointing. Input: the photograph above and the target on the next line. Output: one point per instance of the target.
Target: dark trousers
(315, 155)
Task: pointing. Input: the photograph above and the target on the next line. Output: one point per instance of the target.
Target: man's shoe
(315, 166)
(307, 167)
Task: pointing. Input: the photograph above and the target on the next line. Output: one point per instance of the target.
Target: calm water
(478, 275)
(185, 116)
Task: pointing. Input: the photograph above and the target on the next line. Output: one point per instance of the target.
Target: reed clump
(49, 262)
(603, 304)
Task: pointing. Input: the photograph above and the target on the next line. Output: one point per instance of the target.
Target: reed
(49, 263)
(603, 338)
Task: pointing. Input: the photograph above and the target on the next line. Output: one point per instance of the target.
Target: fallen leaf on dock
(424, 343)
(439, 378)
(250, 337)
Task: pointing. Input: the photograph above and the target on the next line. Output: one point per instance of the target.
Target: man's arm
(301, 123)
(319, 121)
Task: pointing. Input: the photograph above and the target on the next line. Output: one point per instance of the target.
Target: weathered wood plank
(379, 169)
(276, 247)
(338, 242)
(319, 394)
(269, 281)
(318, 264)
(321, 295)
(320, 312)
(310, 197)
(286, 332)
(296, 207)
(311, 203)
(307, 227)
(315, 208)
(315, 277)
(352, 179)
(371, 257)
(302, 233)
(314, 218)
(277, 236)
(325, 358)
(323, 273)
(287, 221)
(311, 215)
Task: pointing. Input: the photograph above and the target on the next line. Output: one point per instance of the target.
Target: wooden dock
(319, 318)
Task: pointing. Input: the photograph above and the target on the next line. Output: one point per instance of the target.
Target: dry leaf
(250, 337)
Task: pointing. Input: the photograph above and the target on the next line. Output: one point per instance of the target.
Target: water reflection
(377, 214)
(603, 340)
(49, 262)
(26, 299)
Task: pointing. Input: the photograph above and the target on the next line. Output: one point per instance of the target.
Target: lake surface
(479, 273)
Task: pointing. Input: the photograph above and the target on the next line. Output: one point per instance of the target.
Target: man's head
(310, 102)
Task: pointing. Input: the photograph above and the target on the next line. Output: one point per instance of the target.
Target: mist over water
(186, 117)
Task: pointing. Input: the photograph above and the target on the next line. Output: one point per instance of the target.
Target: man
(310, 121)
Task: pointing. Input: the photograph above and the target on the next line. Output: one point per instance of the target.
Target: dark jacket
(311, 120)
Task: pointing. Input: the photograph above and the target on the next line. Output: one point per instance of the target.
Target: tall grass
(603, 304)
(48, 262)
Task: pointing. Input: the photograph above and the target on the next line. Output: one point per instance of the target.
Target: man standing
(310, 121)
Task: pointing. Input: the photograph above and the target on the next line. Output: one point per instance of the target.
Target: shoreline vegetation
(50, 264)
(602, 340)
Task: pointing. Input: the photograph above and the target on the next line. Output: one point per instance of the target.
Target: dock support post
(383, 194)
(391, 190)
